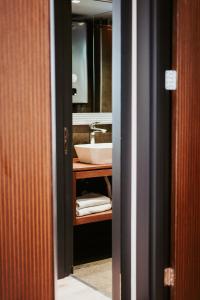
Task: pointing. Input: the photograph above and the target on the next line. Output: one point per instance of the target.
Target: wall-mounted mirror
(92, 61)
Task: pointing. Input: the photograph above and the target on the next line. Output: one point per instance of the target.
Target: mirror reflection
(92, 57)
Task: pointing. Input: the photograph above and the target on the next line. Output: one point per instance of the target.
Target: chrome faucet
(94, 130)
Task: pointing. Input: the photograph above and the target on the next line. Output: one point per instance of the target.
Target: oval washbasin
(100, 153)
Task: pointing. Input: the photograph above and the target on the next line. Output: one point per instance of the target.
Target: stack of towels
(91, 203)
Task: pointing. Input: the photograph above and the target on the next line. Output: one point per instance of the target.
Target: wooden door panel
(26, 243)
(186, 151)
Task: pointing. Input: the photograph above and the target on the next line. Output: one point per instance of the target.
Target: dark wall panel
(26, 243)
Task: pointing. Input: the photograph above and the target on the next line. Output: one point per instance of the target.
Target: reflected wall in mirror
(79, 66)
(92, 58)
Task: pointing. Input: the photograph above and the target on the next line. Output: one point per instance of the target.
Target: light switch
(170, 80)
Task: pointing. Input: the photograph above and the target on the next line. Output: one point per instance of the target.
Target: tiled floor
(97, 274)
(71, 288)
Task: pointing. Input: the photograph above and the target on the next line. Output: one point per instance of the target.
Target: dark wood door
(186, 151)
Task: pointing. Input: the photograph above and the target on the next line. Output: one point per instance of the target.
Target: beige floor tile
(97, 274)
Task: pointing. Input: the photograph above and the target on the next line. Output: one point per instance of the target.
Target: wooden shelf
(103, 216)
(78, 166)
(93, 173)
(81, 171)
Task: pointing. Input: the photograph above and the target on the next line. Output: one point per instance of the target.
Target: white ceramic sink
(94, 153)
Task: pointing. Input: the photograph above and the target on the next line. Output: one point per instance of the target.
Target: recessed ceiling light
(76, 1)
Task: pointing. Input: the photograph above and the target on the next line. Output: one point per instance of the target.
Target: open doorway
(83, 39)
(121, 140)
(92, 143)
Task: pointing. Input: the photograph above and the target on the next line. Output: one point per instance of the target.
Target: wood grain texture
(186, 152)
(26, 238)
(93, 218)
(93, 173)
(106, 68)
(78, 166)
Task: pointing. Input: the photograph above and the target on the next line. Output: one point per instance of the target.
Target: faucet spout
(93, 130)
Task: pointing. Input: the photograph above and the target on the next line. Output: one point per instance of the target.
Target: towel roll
(92, 210)
(92, 199)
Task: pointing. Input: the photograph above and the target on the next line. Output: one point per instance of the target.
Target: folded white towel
(92, 210)
(91, 199)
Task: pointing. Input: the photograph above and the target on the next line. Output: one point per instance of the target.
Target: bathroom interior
(92, 143)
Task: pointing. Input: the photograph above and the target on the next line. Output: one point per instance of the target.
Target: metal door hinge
(169, 277)
(66, 138)
(170, 80)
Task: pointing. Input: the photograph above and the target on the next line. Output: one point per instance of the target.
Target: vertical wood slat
(186, 152)
(26, 230)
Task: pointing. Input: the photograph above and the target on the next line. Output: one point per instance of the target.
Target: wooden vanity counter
(78, 166)
(82, 171)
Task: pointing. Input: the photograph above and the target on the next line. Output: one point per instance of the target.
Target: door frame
(122, 154)
(154, 52)
(63, 92)
(153, 215)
